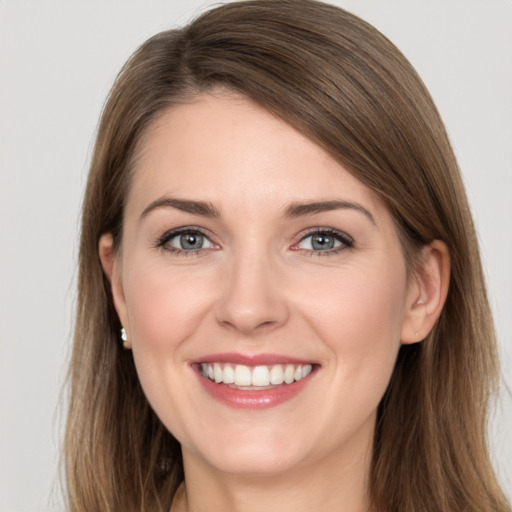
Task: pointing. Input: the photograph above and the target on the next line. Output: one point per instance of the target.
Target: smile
(254, 382)
(255, 377)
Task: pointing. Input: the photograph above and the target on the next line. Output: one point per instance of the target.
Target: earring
(124, 337)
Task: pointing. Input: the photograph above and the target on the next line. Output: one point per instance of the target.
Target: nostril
(246, 326)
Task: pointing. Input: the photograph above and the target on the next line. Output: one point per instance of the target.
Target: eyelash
(346, 242)
(163, 241)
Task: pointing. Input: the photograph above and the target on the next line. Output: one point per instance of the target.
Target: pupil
(191, 241)
(323, 242)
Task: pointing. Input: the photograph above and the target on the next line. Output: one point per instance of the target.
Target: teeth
(242, 375)
(228, 375)
(306, 370)
(255, 376)
(217, 373)
(260, 376)
(289, 374)
(276, 375)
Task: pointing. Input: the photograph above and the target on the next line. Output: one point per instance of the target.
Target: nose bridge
(252, 298)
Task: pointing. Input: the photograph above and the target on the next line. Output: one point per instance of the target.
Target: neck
(339, 481)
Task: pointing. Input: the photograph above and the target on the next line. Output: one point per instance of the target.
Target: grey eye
(319, 242)
(190, 241)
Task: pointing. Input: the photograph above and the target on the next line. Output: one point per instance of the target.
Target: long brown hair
(341, 83)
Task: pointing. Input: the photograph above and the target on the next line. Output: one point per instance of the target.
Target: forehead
(225, 149)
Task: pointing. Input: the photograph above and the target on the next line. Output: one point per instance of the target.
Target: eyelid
(346, 241)
(163, 241)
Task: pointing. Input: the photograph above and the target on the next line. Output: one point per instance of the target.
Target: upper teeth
(260, 376)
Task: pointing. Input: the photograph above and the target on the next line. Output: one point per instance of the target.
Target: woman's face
(262, 287)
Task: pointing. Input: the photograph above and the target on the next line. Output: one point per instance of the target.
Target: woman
(287, 257)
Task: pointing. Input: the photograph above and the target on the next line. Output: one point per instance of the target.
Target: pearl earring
(124, 337)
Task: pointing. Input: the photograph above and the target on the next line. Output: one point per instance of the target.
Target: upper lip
(251, 359)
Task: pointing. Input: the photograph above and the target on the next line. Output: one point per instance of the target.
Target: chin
(258, 462)
(252, 455)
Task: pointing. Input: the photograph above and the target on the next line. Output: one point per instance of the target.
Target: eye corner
(329, 241)
(175, 241)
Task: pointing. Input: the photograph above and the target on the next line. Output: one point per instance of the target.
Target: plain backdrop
(57, 62)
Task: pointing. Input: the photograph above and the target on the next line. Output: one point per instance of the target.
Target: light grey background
(57, 62)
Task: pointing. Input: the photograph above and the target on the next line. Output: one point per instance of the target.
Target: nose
(252, 298)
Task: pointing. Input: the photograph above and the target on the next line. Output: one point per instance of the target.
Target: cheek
(164, 309)
(359, 316)
(163, 305)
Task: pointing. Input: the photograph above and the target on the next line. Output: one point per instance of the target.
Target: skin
(257, 286)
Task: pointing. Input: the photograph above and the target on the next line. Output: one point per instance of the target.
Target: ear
(112, 267)
(427, 292)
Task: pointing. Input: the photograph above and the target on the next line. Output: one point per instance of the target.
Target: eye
(185, 240)
(324, 240)
(190, 241)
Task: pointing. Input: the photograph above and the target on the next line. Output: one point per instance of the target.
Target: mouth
(254, 382)
(259, 377)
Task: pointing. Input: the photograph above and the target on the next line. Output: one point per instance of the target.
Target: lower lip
(253, 399)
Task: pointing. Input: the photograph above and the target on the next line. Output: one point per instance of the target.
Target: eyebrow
(300, 209)
(294, 210)
(186, 205)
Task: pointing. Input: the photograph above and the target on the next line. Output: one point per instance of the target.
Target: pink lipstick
(253, 381)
